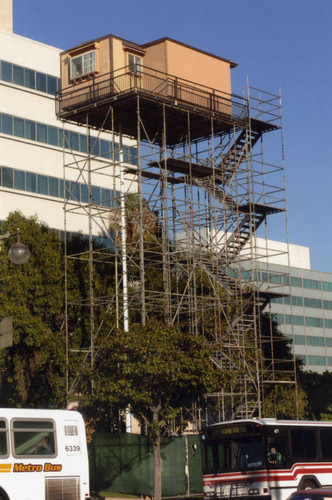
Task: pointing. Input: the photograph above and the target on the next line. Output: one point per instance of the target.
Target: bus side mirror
(194, 448)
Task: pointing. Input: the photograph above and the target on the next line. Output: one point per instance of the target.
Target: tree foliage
(155, 370)
(32, 370)
(281, 400)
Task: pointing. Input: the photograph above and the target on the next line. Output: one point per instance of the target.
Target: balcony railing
(171, 89)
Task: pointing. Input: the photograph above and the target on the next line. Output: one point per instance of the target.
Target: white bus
(265, 458)
(43, 455)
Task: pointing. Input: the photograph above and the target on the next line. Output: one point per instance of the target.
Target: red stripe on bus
(264, 475)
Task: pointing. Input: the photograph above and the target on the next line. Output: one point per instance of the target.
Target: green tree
(318, 388)
(32, 370)
(281, 400)
(155, 370)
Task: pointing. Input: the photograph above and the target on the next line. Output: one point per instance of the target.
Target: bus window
(326, 442)
(250, 453)
(234, 454)
(33, 438)
(3, 439)
(303, 442)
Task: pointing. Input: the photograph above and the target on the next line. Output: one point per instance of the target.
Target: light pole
(18, 254)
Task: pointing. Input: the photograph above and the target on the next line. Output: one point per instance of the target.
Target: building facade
(304, 308)
(33, 142)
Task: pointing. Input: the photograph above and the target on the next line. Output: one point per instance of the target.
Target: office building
(304, 313)
(33, 142)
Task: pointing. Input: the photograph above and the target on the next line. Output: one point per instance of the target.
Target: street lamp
(18, 253)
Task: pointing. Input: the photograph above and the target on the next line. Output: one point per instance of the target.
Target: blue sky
(277, 43)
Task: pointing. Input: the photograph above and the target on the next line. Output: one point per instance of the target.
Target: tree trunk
(157, 460)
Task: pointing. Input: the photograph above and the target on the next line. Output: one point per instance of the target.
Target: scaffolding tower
(187, 225)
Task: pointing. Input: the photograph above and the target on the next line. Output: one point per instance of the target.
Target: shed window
(83, 64)
(134, 63)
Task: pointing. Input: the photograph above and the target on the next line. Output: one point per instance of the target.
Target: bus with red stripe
(265, 459)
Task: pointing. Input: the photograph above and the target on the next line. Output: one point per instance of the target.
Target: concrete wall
(22, 154)
(6, 15)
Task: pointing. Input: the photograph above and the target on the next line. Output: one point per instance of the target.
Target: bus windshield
(235, 453)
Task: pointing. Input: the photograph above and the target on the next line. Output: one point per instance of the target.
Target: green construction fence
(123, 463)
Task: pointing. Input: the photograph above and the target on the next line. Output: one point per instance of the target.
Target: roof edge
(166, 38)
(149, 44)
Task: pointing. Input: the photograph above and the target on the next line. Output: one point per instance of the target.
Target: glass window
(126, 160)
(18, 75)
(313, 284)
(65, 136)
(328, 323)
(105, 149)
(303, 443)
(61, 189)
(51, 84)
(74, 141)
(298, 320)
(329, 360)
(327, 304)
(74, 191)
(308, 302)
(94, 146)
(19, 127)
(134, 63)
(315, 322)
(30, 130)
(297, 301)
(296, 281)
(41, 82)
(299, 339)
(53, 186)
(7, 124)
(116, 152)
(7, 177)
(34, 438)
(41, 133)
(278, 300)
(327, 287)
(52, 135)
(106, 197)
(279, 318)
(82, 64)
(317, 341)
(67, 190)
(316, 360)
(29, 78)
(275, 278)
(288, 319)
(95, 191)
(83, 143)
(31, 182)
(84, 193)
(3, 438)
(133, 160)
(6, 71)
(42, 184)
(328, 342)
(19, 179)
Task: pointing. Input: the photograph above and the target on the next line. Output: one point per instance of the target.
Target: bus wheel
(308, 485)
